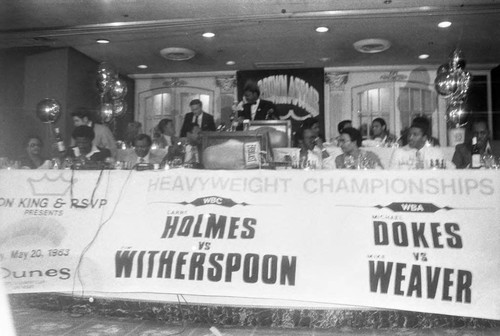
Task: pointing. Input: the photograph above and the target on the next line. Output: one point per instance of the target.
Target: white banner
(424, 241)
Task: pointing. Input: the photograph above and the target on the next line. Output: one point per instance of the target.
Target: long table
(425, 241)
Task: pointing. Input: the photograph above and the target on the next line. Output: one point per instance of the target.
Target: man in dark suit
(256, 108)
(479, 128)
(89, 155)
(197, 116)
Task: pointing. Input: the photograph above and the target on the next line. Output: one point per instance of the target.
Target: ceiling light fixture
(142, 66)
(177, 54)
(423, 56)
(322, 29)
(208, 35)
(230, 63)
(371, 46)
(444, 24)
(102, 41)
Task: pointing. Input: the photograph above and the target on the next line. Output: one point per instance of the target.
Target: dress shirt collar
(146, 158)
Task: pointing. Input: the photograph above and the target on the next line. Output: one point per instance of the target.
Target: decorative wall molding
(336, 80)
(393, 76)
(174, 82)
(226, 83)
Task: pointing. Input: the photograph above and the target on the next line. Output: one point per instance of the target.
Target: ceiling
(255, 34)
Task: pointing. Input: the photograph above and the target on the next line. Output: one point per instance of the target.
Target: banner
(297, 93)
(424, 241)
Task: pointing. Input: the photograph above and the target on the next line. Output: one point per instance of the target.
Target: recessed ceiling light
(208, 35)
(177, 54)
(371, 46)
(444, 24)
(102, 41)
(230, 63)
(324, 59)
(142, 66)
(322, 29)
(423, 56)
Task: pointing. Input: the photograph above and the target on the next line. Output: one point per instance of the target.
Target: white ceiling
(273, 33)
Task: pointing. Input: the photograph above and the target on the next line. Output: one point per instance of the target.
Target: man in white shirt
(166, 136)
(311, 156)
(142, 152)
(103, 137)
(417, 154)
(193, 146)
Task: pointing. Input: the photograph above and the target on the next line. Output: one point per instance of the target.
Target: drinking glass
(495, 162)
(489, 161)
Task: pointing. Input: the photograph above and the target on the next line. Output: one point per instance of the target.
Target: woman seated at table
(32, 158)
(353, 157)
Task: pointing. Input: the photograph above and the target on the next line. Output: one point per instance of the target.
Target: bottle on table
(61, 148)
(475, 162)
(58, 160)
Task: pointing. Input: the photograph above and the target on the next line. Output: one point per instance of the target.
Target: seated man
(418, 154)
(479, 129)
(381, 134)
(166, 133)
(192, 146)
(88, 155)
(103, 137)
(187, 149)
(310, 156)
(142, 152)
(353, 157)
(33, 157)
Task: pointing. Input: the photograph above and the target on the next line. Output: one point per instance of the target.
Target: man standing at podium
(197, 116)
(256, 108)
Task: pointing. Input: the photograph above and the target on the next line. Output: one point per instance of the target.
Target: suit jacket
(462, 155)
(207, 123)
(131, 158)
(262, 111)
(96, 160)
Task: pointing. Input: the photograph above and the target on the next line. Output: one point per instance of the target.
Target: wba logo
(412, 207)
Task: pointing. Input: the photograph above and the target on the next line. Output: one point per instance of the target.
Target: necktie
(141, 160)
(195, 120)
(419, 164)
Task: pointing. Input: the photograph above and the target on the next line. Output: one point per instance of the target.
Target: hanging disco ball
(119, 108)
(106, 112)
(48, 110)
(457, 113)
(443, 68)
(446, 84)
(118, 89)
(457, 60)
